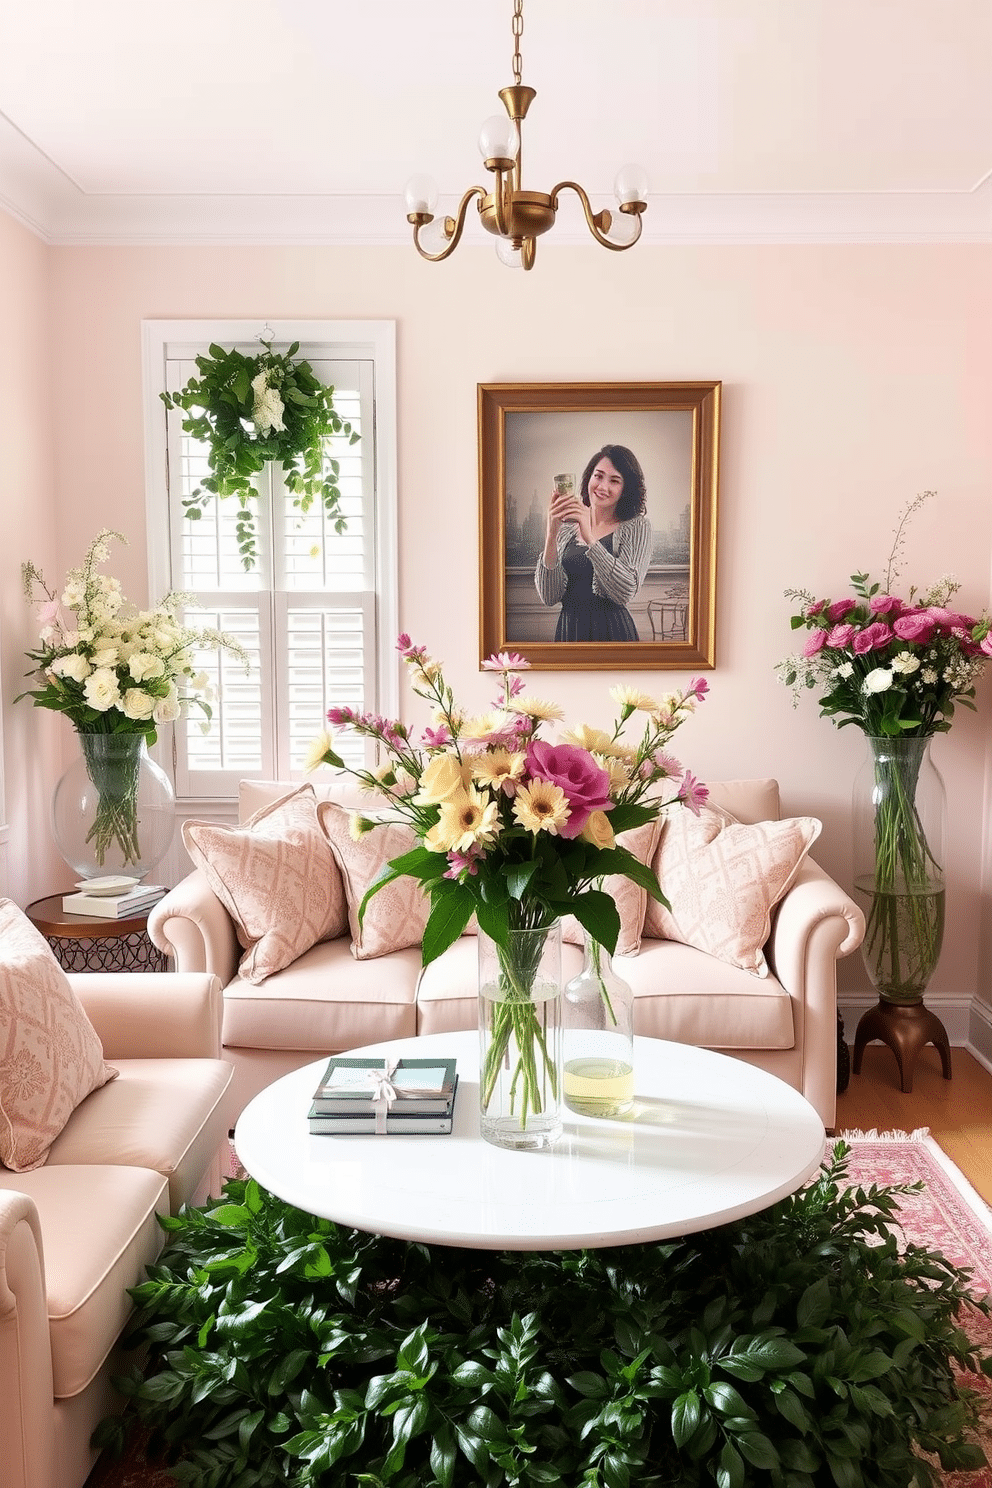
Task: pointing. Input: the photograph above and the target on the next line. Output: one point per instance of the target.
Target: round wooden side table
(84, 943)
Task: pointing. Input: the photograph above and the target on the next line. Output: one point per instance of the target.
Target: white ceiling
(299, 121)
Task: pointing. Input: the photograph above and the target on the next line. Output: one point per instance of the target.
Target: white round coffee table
(710, 1139)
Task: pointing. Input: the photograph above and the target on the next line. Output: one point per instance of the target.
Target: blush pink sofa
(327, 1001)
(78, 1231)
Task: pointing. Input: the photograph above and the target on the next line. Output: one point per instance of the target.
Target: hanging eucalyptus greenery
(249, 410)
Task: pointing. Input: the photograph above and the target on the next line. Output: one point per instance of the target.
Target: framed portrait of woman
(597, 523)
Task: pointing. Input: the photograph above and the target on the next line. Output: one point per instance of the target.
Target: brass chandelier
(516, 217)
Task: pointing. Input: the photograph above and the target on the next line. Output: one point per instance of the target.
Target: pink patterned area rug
(948, 1215)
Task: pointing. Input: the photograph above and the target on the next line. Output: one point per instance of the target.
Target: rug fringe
(921, 1134)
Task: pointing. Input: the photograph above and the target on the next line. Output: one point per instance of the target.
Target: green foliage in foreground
(796, 1349)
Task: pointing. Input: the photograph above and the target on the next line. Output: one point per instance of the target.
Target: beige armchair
(78, 1231)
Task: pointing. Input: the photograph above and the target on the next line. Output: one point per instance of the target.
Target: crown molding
(41, 197)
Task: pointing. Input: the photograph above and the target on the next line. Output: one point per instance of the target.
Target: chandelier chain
(518, 31)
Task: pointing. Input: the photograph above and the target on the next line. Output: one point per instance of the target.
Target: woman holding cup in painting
(597, 548)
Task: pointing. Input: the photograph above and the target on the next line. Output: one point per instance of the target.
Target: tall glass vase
(520, 1059)
(598, 1038)
(114, 810)
(899, 815)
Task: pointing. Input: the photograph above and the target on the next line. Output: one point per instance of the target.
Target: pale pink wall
(853, 377)
(27, 530)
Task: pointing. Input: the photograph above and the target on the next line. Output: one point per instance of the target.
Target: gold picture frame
(530, 431)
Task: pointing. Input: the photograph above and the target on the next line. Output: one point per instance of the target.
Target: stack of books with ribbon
(384, 1097)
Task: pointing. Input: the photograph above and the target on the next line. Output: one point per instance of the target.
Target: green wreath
(249, 410)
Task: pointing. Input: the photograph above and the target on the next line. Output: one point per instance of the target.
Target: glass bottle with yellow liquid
(598, 1037)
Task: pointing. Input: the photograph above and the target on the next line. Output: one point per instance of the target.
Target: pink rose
(815, 642)
(985, 644)
(915, 625)
(951, 620)
(883, 604)
(840, 637)
(839, 609)
(872, 638)
(586, 786)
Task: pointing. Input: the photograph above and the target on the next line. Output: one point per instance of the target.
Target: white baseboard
(980, 1041)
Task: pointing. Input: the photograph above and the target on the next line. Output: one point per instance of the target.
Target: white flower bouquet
(114, 669)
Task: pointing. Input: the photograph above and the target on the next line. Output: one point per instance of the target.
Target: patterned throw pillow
(631, 901)
(394, 917)
(277, 879)
(50, 1055)
(723, 879)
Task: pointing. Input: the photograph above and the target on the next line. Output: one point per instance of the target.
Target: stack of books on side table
(112, 898)
(385, 1097)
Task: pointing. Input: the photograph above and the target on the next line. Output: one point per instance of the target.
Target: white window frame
(369, 340)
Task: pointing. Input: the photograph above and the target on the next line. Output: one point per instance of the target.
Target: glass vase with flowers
(896, 668)
(117, 673)
(518, 831)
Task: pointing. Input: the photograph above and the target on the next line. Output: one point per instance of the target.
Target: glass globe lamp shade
(631, 184)
(623, 227)
(421, 194)
(499, 138)
(508, 254)
(432, 238)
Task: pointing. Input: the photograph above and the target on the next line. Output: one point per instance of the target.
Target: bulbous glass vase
(899, 815)
(114, 809)
(598, 1039)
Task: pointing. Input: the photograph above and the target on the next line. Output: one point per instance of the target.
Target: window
(317, 614)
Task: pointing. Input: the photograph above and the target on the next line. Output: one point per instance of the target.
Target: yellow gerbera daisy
(466, 819)
(483, 726)
(537, 708)
(617, 769)
(584, 736)
(541, 807)
(496, 767)
(633, 697)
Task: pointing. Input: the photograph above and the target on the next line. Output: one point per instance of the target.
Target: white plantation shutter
(310, 613)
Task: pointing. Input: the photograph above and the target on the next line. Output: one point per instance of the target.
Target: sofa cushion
(99, 1232)
(168, 1115)
(326, 1001)
(748, 800)
(685, 995)
(630, 899)
(50, 1055)
(277, 879)
(723, 878)
(255, 795)
(394, 917)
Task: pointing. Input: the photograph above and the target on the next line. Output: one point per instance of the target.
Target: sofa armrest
(815, 924)
(192, 926)
(27, 1444)
(153, 1015)
(814, 903)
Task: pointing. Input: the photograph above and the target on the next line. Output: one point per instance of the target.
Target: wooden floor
(958, 1111)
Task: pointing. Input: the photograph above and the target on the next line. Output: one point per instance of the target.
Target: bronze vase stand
(906, 1028)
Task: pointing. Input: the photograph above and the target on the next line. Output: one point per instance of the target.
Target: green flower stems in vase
(899, 810)
(113, 811)
(520, 1005)
(112, 765)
